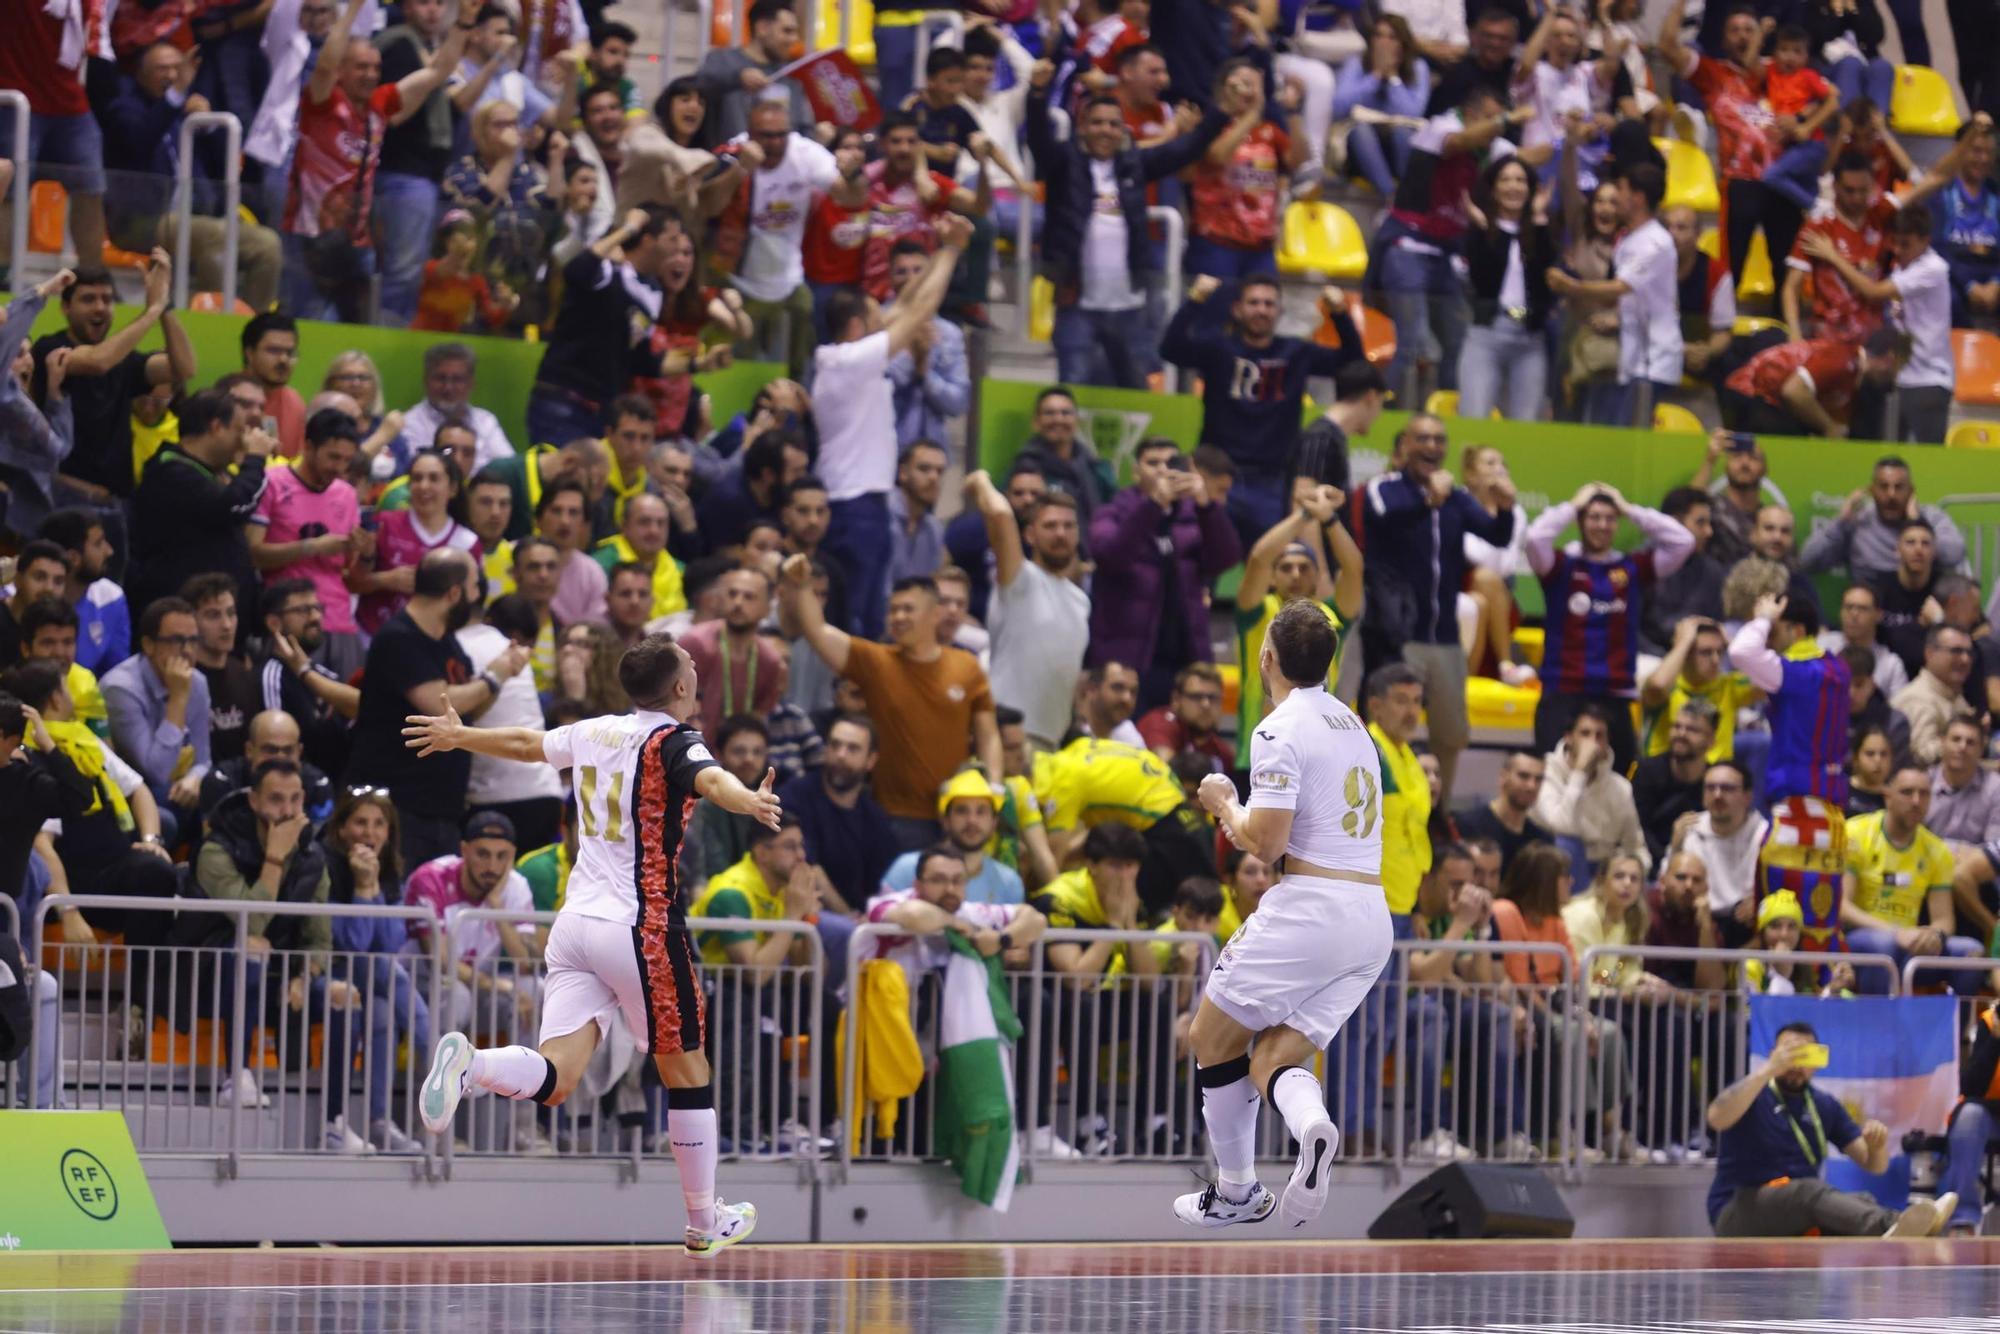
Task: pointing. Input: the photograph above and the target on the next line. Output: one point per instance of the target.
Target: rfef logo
(89, 1184)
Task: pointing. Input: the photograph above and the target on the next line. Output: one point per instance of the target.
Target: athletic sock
(1229, 1108)
(520, 1073)
(1299, 1099)
(691, 1133)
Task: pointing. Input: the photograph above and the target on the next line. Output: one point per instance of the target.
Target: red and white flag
(835, 90)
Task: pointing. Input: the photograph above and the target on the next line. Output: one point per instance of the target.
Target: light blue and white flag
(1894, 1059)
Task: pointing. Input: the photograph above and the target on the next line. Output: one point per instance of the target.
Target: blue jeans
(1378, 156)
(1753, 752)
(1971, 1131)
(1910, 27)
(1504, 364)
(556, 419)
(858, 537)
(395, 1010)
(65, 149)
(896, 59)
(1427, 303)
(1582, 870)
(1615, 404)
(1854, 76)
(1007, 217)
(1365, 1040)
(1107, 347)
(1256, 502)
(1489, 1084)
(1227, 262)
(1795, 173)
(405, 218)
(1872, 982)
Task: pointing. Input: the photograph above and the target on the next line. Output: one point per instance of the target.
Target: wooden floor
(1581, 1287)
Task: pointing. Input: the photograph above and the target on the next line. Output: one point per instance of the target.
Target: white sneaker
(1518, 674)
(242, 1091)
(795, 1138)
(1305, 1193)
(1442, 1147)
(1920, 1219)
(1045, 1143)
(387, 1136)
(445, 1084)
(340, 1139)
(1208, 1207)
(733, 1222)
(1518, 1148)
(1947, 1205)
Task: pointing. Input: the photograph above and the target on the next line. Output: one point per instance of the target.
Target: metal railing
(17, 153)
(764, 1047)
(232, 198)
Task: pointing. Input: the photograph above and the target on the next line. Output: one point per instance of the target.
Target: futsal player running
(621, 941)
(1297, 968)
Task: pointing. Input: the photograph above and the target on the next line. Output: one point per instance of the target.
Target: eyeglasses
(1205, 697)
(177, 641)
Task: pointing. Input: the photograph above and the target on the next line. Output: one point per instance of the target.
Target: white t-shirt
(1107, 263)
(920, 954)
(855, 406)
(1040, 625)
(781, 199)
(480, 939)
(1313, 744)
(1649, 319)
(1923, 299)
(518, 705)
(620, 810)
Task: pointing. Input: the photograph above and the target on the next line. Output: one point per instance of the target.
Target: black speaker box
(1468, 1200)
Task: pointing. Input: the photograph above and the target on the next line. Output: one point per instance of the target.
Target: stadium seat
(1323, 241)
(1755, 324)
(1499, 706)
(1041, 310)
(861, 30)
(1923, 103)
(1690, 176)
(1528, 644)
(1978, 356)
(1973, 435)
(48, 217)
(1675, 418)
(1709, 243)
(1442, 403)
(1758, 283)
(1378, 332)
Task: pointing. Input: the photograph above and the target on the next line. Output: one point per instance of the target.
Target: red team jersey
(1838, 312)
(1742, 120)
(1833, 367)
(835, 235)
(895, 212)
(333, 172)
(1237, 204)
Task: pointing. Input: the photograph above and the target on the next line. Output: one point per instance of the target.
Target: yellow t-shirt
(1729, 692)
(739, 891)
(1406, 817)
(1070, 900)
(1090, 781)
(1251, 627)
(146, 441)
(1892, 883)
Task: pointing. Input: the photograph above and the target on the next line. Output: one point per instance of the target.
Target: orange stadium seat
(1978, 356)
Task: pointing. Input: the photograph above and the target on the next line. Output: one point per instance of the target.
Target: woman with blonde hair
(587, 669)
(382, 454)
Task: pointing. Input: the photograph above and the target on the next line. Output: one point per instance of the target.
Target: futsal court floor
(1258, 1287)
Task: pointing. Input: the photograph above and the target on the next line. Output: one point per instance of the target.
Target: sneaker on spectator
(578, 1136)
(795, 1138)
(1588, 1154)
(1442, 1147)
(1921, 1219)
(341, 1139)
(387, 1136)
(242, 1091)
(1518, 674)
(529, 1139)
(1045, 1143)
(1518, 1148)
(1099, 1142)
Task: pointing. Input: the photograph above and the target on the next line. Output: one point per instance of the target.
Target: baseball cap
(489, 824)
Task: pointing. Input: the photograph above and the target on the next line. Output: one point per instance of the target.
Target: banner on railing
(70, 1181)
(1894, 1059)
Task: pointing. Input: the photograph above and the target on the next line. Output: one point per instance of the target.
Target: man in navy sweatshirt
(1253, 387)
(1415, 519)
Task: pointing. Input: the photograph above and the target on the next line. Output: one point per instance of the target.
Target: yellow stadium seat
(1709, 243)
(1442, 403)
(860, 33)
(1673, 417)
(1041, 310)
(1690, 176)
(1755, 324)
(1974, 435)
(1529, 642)
(1922, 103)
(1758, 283)
(1495, 704)
(1322, 240)
(1977, 354)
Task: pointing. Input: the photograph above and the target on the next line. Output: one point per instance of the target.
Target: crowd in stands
(229, 590)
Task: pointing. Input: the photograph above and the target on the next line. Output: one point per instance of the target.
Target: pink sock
(691, 1132)
(519, 1073)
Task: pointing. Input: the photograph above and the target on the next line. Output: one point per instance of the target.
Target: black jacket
(33, 789)
(1486, 257)
(234, 828)
(1065, 168)
(187, 520)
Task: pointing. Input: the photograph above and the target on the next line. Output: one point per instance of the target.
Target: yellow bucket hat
(964, 784)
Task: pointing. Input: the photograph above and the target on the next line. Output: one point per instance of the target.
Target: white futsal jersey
(1313, 756)
(634, 781)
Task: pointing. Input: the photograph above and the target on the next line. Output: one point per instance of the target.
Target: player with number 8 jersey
(1297, 968)
(621, 944)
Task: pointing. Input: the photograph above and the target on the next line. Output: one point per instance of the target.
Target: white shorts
(598, 970)
(1305, 958)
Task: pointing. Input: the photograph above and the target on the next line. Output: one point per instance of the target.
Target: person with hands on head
(1775, 1129)
(1864, 536)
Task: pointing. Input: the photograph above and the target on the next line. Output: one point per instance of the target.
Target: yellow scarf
(86, 752)
(669, 596)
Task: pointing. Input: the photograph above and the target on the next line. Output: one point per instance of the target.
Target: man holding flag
(1806, 849)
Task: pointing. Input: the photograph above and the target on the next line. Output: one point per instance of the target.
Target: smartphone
(1810, 1056)
(1742, 442)
(270, 425)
